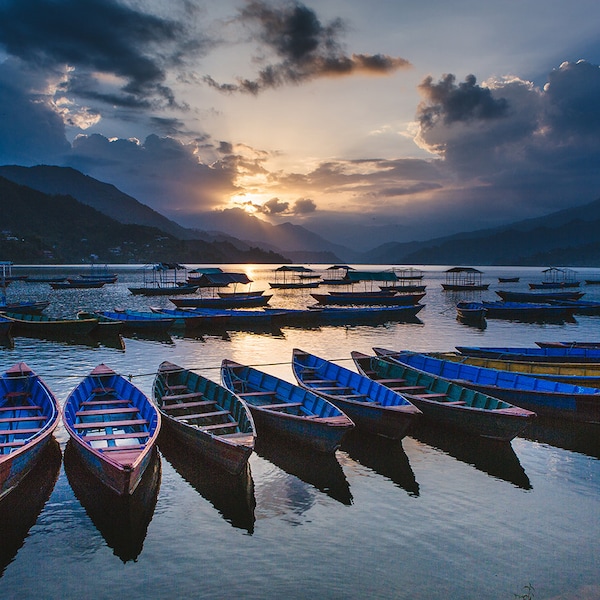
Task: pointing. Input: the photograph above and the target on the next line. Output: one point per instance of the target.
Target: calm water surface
(435, 516)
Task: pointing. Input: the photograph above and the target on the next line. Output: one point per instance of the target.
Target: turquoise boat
(446, 402)
(286, 409)
(537, 354)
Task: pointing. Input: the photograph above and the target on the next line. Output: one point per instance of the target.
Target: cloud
(306, 49)
(117, 54)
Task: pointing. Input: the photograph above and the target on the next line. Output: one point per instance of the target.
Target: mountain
(53, 229)
(566, 237)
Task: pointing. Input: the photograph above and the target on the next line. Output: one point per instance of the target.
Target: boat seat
(432, 396)
(22, 407)
(17, 394)
(188, 396)
(355, 396)
(105, 402)
(20, 431)
(392, 380)
(13, 444)
(105, 424)
(206, 415)
(327, 381)
(116, 436)
(180, 405)
(219, 426)
(176, 388)
(122, 448)
(265, 393)
(410, 388)
(333, 420)
(107, 411)
(456, 402)
(242, 437)
(20, 419)
(340, 388)
(103, 390)
(280, 405)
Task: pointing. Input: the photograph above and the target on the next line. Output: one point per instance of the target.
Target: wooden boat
(580, 307)
(204, 416)
(545, 397)
(104, 325)
(240, 294)
(236, 317)
(76, 284)
(113, 426)
(338, 275)
(447, 402)
(296, 282)
(373, 407)
(45, 279)
(229, 302)
(404, 287)
(583, 355)
(368, 298)
(508, 279)
(581, 374)
(592, 281)
(353, 315)
(33, 324)
(286, 409)
(164, 290)
(28, 417)
(31, 307)
(556, 278)
(191, 320)
(464, 279)
(568, 344)
(538, 296)
(5, 326)
(526, 310)
(471, 311)
(140, 321)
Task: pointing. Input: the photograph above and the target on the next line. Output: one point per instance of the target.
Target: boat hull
(229, 302)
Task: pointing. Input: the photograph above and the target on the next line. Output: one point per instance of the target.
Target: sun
(251, 203)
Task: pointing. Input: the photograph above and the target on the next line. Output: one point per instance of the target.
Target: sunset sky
(363, 121)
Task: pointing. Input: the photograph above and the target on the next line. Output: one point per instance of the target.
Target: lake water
(435, 516)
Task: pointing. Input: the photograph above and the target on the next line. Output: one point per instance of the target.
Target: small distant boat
(565, 354)
(76, 284)
(277, 405)
(338, 275)
(114, 427)
(508, 279)
(33, 307)
(297, 280)
(164, 290)
(556, 278)
(545, 397)
(204, 416)
(538, 296)
(471, 311)
(45, 279)
(526, 310)
(240, 294)
(227, 302)
(460, 279)
(144, 321)
(25, 324)
(373, 407)
(446, 402)
(28, 417)
(592, 281)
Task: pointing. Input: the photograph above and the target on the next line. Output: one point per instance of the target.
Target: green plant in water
(527, 593)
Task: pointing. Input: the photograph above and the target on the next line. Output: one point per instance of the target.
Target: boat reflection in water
(231, 495)
(384, 456)
(495, 458)
(20, 509)
(569, 435)
(319, 469)
(121, 520)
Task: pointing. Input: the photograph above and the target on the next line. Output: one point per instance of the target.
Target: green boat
(447, 402)
(39, 325)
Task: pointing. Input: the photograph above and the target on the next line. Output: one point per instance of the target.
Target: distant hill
(53, 229)
(567, 237)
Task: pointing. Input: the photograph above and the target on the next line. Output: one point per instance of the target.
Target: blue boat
(354, 315)
(227, 302)
(139, 321)
(190, 319)
(204, 416)
(538, 296)
(446, 402)
(286, 409)
(5, 325)
(527, 310)
(381, 298)
(372, 406)
(28, 417)
(569, 354)
(545, 397)
(113, 426)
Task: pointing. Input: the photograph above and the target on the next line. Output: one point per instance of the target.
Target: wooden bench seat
(20, 419)
(280, 405)
(339, 388)
(178, 397)
(431, 396)
(105, 424)
(206, 415)
(17, 394)
(333, 420)
(14, 444)
(116, 436)
(392, 380)
(265, 393)
(105, 402)
(219, 426)
(180, 405)
(122, 448)
(103, 390)
(107, 411)
(176, 387)
(456, 402)
(21, 431)
(241, 437)
(321, 381)
(20, 407)
(410, 388)
(355, 396)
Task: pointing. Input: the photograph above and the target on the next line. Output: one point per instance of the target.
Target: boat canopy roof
(297, 269)
(371, 276)
(207, 270)
(214, 279)
(463, 270)
(336, 267)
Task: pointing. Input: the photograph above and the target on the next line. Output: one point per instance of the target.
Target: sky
(365, 122)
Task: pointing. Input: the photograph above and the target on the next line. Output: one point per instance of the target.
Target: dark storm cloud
(306, 48)
(100, 36)
(463, 102)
